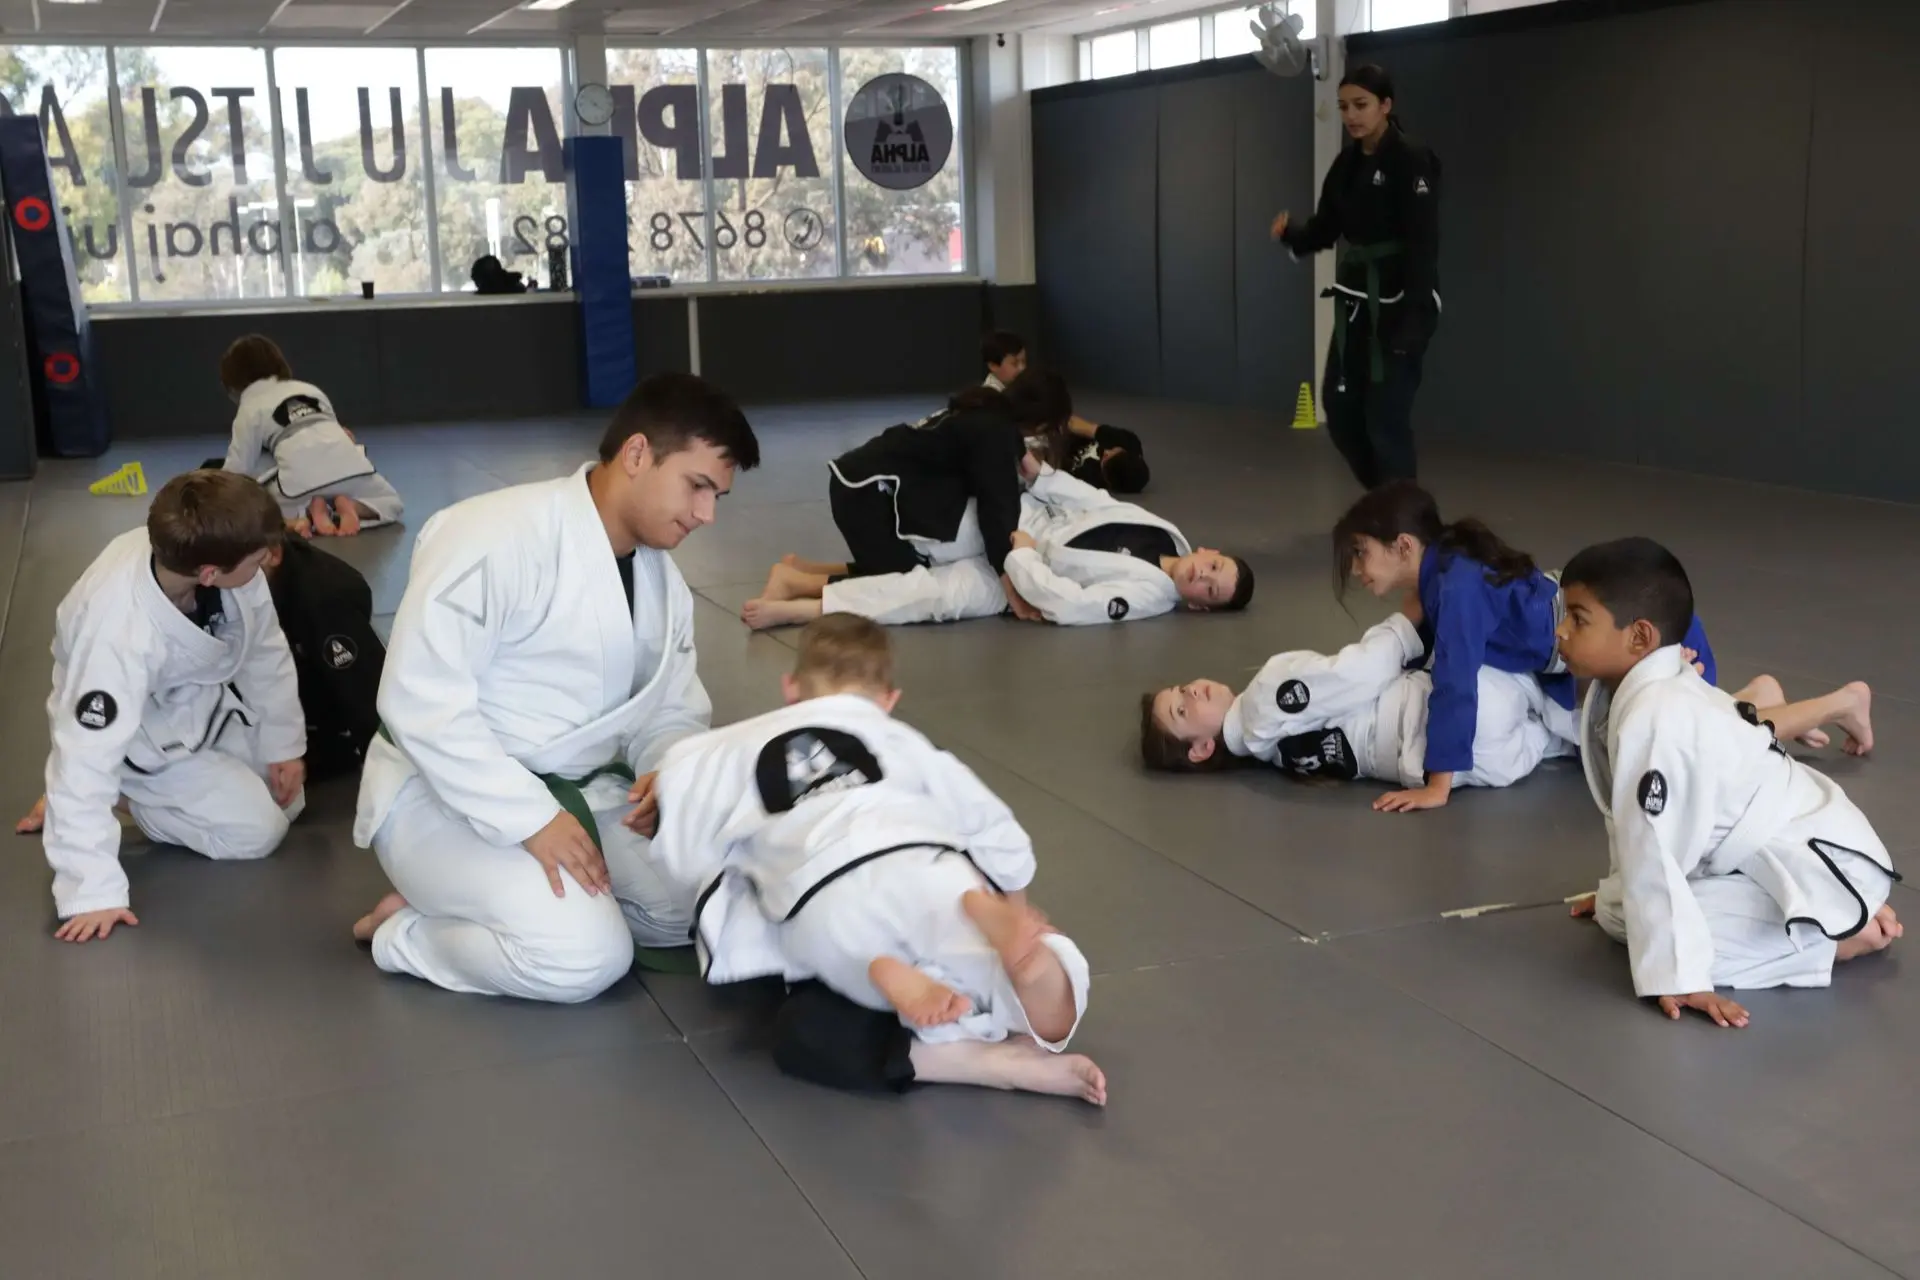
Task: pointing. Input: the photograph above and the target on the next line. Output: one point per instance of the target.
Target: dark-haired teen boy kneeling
(1733, 864)
(173, 688)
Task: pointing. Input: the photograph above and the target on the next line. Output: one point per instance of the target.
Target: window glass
(1388, 14)
(913, 224)
(67, 88)
(770, 121)
(500, 178)
(657, 115)
(356, 169)
(1117, 54)
(1173, 44)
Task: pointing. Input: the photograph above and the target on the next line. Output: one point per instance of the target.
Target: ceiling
(653, 21)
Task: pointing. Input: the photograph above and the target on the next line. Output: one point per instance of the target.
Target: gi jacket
(933, 468)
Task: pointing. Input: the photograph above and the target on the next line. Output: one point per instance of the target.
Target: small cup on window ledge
(366, 288)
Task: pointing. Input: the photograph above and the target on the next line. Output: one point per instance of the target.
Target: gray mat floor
(1322, 1062)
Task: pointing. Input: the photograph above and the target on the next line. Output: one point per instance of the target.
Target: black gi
(915, 481)
(326, 609)
(1088, 467)
(1385, 207)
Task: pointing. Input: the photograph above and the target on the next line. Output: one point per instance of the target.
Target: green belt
(570, 794)
(1369, 256)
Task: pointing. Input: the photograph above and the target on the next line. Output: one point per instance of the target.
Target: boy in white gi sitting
(1079, 558)
(173, 687)
(830, 841)
(1356, 714)
(1732, 864)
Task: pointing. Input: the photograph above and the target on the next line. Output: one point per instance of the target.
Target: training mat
(1812, 1106)
(1281, 1114)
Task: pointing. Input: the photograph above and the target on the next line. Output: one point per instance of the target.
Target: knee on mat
(251, 833)
(580, 954)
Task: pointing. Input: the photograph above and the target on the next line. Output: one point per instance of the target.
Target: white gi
(286, 436)
(1070, 586)
(827, 834)
(1732, 864)
(515, 661)
(1361, 714)
(181, 721)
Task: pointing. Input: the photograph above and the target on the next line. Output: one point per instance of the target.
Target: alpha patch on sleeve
(1117, 608)
(341, 653)
(1320, 754)
(807, 762)
(1653, 792)
(1293, 697)
(97, 710)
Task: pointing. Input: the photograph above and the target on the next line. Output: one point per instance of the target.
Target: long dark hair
(1373, 77)
(1401, 506)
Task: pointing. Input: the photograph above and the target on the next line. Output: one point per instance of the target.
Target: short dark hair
(251, 359)
(672, 410)
(1125, 472)
(216, 518)
(999, 345)
(1636, 578)
(1242, 587)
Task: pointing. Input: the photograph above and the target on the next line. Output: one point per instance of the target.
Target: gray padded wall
(1152, 197)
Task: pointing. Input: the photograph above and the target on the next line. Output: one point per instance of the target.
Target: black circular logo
(1293, 697)
(96, 710)
(803, 228)
(1653, 792)
(1117, 608)
(340, 652)
(33, 214)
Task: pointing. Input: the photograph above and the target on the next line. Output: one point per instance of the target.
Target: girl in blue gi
(1477, 601)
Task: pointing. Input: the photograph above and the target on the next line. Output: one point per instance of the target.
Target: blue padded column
(601, 280)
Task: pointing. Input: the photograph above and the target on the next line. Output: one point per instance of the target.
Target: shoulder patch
(96, 710)
(1293, 697)
(466, 595)
(1420, 187)
(806, 762)
(1653, 792)
(340, 652)
(1117, 608)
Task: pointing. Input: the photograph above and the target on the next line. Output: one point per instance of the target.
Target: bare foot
(1815, 738)
(320, 516)
(346, 512)
(786, 583)
(1877, 936)
(1856, 719)
(364, 927)
(1762, 692)
(762, 614)
(916, 997)
(1013, 1063)
(827, 567)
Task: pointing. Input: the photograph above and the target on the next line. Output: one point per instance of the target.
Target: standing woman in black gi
(1381, 200)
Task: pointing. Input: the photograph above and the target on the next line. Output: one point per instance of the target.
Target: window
(656, 112)
(356, 170)
(1173, 44)
(770, 120)
(913, 224)
(500, 175)
(200, 173)
(67, 89)
(1117, 54)
(1488, 6)
(1387, 14)
(1233, 30)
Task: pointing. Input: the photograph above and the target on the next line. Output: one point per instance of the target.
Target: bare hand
(1021, 609)
(563, 842)
(1722, 1010)
(1698, 666)
(1022, 539)
(1280, 225)
(285, 779)
(89, 925)
(1427, 797)
(1029, 467)
(645, 819)
(1581, 908)
(1410, 605)
(35, 820)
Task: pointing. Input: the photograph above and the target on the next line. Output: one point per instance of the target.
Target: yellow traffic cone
(129, 481)
(1303, 415)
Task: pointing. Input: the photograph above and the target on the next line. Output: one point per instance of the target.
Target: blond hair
(844, 652)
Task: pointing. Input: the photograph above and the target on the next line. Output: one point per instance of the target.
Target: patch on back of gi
(1117, 608)
(1653, 792)
(807, 762)
(1293, 697)
(297, 409)
(1324, 753)
(96, 710)
(340, 652)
